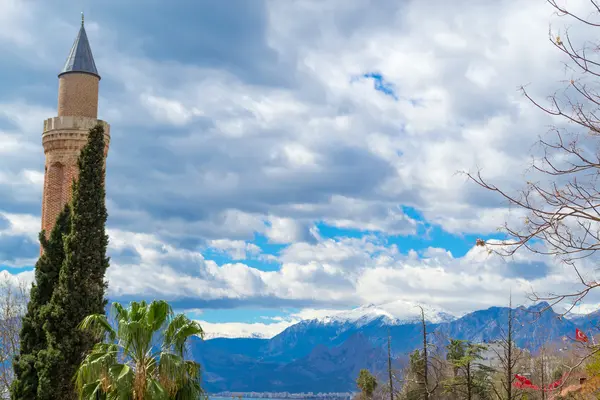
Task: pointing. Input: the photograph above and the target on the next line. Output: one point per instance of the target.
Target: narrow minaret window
(66, 134)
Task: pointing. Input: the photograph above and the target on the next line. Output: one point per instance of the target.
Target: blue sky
(272, 161)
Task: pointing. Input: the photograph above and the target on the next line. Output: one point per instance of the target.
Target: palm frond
(179, 330)
(122, 377)
(155, 391)
(159, 312)
(99, 326)
(95, 367)
(120, 311)
(91, 391)
(164, 375)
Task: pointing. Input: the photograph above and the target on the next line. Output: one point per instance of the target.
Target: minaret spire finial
(80, 57)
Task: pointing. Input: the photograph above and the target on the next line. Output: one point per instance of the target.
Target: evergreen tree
(415, 388)
(33, 337)
(81, 284)
(367, 384)
(471, 378)
(424, 369)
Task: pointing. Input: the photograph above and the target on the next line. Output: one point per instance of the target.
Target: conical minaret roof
(80, 58)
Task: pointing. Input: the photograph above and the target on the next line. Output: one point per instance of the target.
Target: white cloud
(343, 273)
(21, 280)
(236, 249)
(240, 329)
(208, 154)
(167, 110)
(285, 230)
(15, 16)
(264, 149)
(23, 224)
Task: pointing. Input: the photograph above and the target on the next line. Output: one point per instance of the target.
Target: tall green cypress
(81, 283)
(33, 337)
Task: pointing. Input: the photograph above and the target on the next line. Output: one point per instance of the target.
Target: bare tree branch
(560, 206)
(13, 305)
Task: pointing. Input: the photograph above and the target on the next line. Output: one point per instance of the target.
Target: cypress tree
(81, 283)
(32, 336)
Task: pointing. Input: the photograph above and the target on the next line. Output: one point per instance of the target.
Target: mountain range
(326, 354)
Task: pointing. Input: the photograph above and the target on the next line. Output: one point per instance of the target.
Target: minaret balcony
(69, 133)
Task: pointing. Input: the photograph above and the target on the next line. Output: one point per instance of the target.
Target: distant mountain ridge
(325, 354)
(366, 314)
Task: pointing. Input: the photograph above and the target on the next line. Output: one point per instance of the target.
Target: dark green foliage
(32, 336)
(366, 383)
(127, 364)
(81, 284)
(416, 390)
(471, 379)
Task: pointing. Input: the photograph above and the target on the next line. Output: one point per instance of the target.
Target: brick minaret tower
(66, 134)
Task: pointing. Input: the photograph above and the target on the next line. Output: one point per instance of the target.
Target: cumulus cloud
(286, 230)
(341, 272)
(324, 146)
(236, 249)
(240, 329)
(284, 117)
(18, 239)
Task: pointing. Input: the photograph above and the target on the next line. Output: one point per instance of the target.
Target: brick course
(78, 95)
(63, 138)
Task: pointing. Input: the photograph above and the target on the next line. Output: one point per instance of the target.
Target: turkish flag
(554, 385)
(523, 380)
(518, 384)
(580, 336)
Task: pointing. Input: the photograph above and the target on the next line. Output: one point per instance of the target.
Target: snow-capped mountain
(325, 354)
(398, 312)
(235, 335)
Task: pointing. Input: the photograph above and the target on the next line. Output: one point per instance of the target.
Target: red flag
(554, 385)
(523, 383)
(580, 336)
(523, 380)
(518, 384)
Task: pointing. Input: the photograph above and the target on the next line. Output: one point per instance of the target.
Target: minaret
(66, 134)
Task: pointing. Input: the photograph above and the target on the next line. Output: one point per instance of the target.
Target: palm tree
(130, 365)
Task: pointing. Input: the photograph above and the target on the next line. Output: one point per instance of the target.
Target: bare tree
(562, 207)
(425, 373)
(509, 357)
(13, 305)
(390, 374)
(541, 370)
(421, 374)
(427, 367)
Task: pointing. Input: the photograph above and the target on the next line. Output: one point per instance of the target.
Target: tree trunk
(390, 364)
(425, 361)
(469, 383)
(509, 360)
